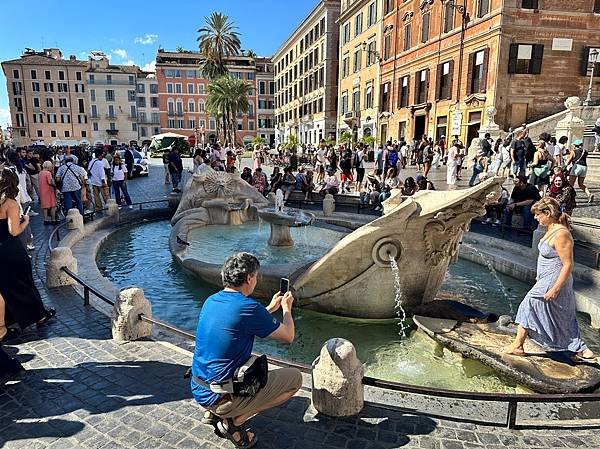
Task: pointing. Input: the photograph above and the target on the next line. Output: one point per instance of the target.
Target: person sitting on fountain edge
(228, 323)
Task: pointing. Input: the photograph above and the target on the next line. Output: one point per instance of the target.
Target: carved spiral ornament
(384, 249)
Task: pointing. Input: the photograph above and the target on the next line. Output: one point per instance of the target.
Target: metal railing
(512, 401)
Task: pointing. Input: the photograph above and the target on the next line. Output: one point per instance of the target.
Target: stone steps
(593, 174)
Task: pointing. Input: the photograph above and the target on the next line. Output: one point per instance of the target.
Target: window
(93, 94)
(131, 79)
(388, 6)
(250, 76)
(525, 59)
(477, 76)
(369, 96)
(65, 118)
(425, 27)
(95, 126)
(407, 32)
(356, 100)
(130, 95)
(483, 7)
(403, 91)
(262, 88)
(191, 107)
(153, 102)
(49, 103)
(443, 90)
(108, 79)
(344, 107)
(597, 6)
(153, 88)
(177, 88)
(112, 126)
(169, 88)
(47, 75)
(111, 111)
(141, 102)
(78, 76)
(61, 75)
(53, 133)
(48, 87)
(63, 87)
(141, 88)
(110, 95)
(357, 59)
(36, 102)
(92, 79)
(62, 102)
(191, 74)
(35, 87)
(358, 24)
(387, 46)
(190, 88)
(371, 53)
(421, 86)
(448, 17)
(16, 73)
(385, 97)
(529, 4)
(19, 104)
(34, 74)
(372, 14)
(345, 66)
(94, 111)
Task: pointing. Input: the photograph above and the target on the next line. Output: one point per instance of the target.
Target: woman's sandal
(47, 316)
(228, 429)
(11, 333)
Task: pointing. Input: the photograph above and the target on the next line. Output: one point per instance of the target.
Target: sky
(130, 32)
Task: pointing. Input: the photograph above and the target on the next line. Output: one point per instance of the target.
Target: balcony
(112, 132)
(94, 116)
(350, 117)
(111, 116)
(132, 116)
(149, 121)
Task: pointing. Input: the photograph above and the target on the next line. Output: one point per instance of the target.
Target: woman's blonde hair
(47, 164)
(552, 207)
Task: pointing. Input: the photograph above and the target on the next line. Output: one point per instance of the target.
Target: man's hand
(286, 301)
(275, 303)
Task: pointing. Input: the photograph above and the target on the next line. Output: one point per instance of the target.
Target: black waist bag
(249, 378)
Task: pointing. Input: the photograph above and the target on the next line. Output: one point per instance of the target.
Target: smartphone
(284, 285)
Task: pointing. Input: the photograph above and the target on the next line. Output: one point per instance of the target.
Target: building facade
(306, 77)
(48, 99)
(443, 66)
(360, 36)
(265, 100)
(183, 92)
(148, 111)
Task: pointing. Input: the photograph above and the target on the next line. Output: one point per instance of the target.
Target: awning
(173, 135)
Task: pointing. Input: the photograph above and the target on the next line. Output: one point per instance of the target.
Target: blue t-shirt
(228, 323)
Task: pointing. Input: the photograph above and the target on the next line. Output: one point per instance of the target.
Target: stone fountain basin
(290, 218)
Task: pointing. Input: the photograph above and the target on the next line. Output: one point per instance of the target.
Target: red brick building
(183, 91)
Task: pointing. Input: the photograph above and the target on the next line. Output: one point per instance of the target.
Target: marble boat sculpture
(354, 279)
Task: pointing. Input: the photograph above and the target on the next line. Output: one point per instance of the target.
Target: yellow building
(358, 101)
(306, 78)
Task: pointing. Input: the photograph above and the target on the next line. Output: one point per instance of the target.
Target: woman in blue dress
(548, 314)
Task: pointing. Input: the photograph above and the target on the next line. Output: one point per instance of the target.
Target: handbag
(543, 171)
(247, 379)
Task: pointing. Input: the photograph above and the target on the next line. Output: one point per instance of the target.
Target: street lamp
(593, 59)
(465, 18)
(375, 53)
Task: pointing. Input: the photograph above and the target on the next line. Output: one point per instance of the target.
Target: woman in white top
(119, 175)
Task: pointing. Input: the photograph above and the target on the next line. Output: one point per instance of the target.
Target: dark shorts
(360, 174)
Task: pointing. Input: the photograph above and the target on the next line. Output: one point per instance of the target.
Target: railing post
(58, 234)
(86, 295)
(511, 415)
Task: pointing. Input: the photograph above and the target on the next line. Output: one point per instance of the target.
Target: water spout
(398, 297)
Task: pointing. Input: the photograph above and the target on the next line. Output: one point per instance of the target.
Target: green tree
(291, 143)
(217, 41)
(346, 138)
(259, 140)
(368, 141)
(252, 54)
(228, 97)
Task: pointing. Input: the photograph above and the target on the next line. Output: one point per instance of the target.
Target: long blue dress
(551, 324)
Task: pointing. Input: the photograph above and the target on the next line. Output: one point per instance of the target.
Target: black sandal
(230, 430)
(11, 334)
(47, 316)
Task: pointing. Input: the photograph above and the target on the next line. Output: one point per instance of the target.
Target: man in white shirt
(98, 179)
(359, 163)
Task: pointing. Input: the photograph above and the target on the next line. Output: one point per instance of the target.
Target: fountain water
(398, 297)
(494, 273)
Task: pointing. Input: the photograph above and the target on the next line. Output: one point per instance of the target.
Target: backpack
(393, 158)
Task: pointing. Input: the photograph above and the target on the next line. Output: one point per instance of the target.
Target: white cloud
(129, 62)
(4, 117)
(146, 39)
(149, 67)
(121, 53)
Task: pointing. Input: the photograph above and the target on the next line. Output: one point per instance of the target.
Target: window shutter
(597, 6)
(512, 58)
(450, 81)
(536, 59)
(427, 76)
(406, 101)
(484, 76)
(399, 93)
(438, 82)
(585, 59)
(470, 74)
(417, 78)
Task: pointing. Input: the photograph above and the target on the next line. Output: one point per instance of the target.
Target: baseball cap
(577, 142)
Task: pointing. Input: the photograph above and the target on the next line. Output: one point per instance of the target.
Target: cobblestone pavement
(83, 390)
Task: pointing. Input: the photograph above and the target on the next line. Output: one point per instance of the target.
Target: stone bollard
(126, 325)
(60, 257)
(112, 208)
(337, 380)
(328, 205)
(74, 220)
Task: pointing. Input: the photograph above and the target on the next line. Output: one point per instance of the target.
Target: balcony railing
(111, 116)
(112, 132)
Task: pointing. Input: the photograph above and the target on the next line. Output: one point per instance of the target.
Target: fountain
(281, 221)
(354, 278)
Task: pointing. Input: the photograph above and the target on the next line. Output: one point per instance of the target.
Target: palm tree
(228, 97)
(219, 40)
(252, 54)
